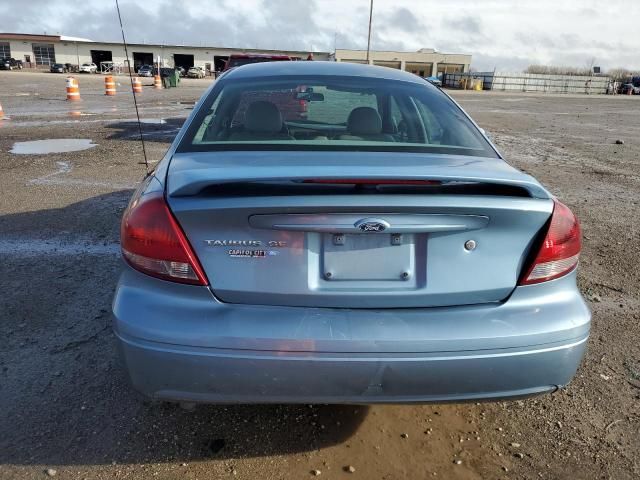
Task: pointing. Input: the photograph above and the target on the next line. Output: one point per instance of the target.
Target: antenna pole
(135, 101)
(369, 38)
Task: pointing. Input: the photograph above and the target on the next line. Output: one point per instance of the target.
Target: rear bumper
(179, 343)
(218, 376)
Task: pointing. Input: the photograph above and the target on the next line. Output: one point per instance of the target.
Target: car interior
(365, 123)
(331, 115)
(263, 121)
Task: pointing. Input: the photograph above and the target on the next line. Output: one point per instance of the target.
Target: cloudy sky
(507, 34)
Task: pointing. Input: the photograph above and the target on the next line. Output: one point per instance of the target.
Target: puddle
(76, 113)
(153, 121)
(106, 119)
(189, 105)
(54, 145)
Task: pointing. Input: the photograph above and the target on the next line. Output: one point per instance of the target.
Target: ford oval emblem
(371, 225)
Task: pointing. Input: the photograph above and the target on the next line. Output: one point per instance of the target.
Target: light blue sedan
(327, 232)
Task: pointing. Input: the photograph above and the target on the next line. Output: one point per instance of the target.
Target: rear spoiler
(190, 173)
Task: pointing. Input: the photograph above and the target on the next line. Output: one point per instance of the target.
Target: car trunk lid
(347, 230)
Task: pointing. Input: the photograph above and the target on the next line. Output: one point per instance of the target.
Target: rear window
(334, 113)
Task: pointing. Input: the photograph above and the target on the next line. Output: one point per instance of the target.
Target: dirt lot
(64, 400)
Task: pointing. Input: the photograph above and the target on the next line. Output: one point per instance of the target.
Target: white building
(426, 62)
(40, 51)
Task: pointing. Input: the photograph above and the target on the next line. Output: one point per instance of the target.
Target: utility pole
(369, 38)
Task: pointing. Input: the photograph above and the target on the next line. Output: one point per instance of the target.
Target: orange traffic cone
(1, 112)
(109, 86)
(137, 85)
(157, 82)
(73, 91)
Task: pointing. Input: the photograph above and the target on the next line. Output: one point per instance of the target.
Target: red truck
(291, 108)
(239, 59)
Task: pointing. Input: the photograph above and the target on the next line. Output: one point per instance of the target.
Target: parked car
(58, 68)
(434, 80)
(380, 250)
(630, 88)
(239, 59)
(195, 72)
(146, 71)
(5, 64)
(9, 63)
(88, 68)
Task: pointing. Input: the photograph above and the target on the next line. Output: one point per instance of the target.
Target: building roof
(63, 38)
(30, 37)
(422, 51)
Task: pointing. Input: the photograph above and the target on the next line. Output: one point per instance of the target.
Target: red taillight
(371, 181)
(559, 252)
(153, 242)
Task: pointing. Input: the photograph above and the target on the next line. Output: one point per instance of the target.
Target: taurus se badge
(372, 225)
(245, 243)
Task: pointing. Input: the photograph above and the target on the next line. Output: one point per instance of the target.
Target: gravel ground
(68, 412)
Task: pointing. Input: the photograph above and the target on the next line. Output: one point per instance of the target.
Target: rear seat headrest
(364, 121)
(264, 117)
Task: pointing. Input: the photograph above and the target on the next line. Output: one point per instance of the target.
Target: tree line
(614, 73)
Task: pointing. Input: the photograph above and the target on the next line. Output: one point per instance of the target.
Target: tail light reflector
(153, 242)
(560, 250)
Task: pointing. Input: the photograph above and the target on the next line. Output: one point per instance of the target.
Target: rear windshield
(331, 113)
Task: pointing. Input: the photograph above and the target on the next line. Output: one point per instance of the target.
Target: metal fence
(528, 82)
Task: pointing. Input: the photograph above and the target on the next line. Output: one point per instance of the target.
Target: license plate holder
(368, 257)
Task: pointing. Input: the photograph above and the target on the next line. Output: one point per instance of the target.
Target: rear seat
(364, 123)
(262, 121)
